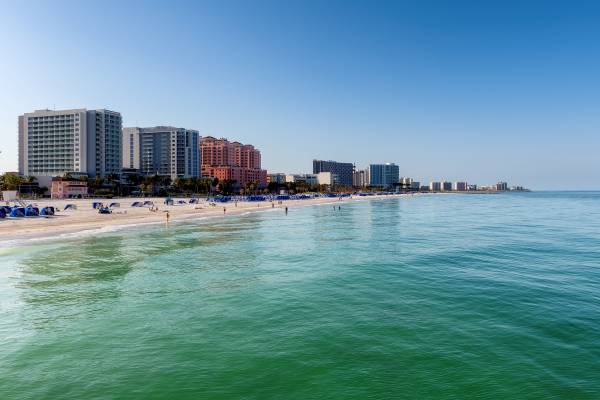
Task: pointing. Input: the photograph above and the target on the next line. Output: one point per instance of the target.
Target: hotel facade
(234, 161)
(162, 150)
(384, 175)
(342, 171)
(77, 141)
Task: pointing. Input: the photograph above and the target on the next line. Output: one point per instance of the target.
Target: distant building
(326, 178)
(415, 185)
(131, 148)
(234, 161)
(460, 186)
(276, 178)
(384, 175)
(343, 171)
(472, 187)
(309, 179)
(501, 186)
(162, 150)
(446, 186)
(360, 178)
(435, 186)
(78, 141)
(68, 188)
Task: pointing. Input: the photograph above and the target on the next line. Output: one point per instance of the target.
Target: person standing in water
(167, 215)
(286, 210)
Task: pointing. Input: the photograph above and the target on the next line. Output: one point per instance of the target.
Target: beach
(86, 218)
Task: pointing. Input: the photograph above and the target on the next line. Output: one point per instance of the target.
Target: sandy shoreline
(85, 218)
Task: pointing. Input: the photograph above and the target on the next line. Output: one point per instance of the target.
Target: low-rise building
(276, 178)
(309, 179)
(68, 188)
(326, 178)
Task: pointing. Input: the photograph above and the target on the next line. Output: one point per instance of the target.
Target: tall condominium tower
(384, 175)
(343, 171)
(162, 150)
(78, 141)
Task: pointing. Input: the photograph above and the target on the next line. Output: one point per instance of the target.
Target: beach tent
(47, 211)
(148, 203)
(96, 205)
(282, 197)
(17, 212)
(169, 201)
(70, 207)
(114, 205)
(2, 213)
(136, 204)
(6, 209)
(223, 199)
(193, 201)
(181, 202)
(255, 198)
(32, 211)
(104, 210)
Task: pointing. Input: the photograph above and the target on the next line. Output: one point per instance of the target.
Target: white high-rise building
(78, 141)
(162, 150)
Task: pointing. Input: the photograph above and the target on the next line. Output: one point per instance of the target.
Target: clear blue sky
(452, 90)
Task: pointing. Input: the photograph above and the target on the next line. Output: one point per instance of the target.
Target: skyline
(463, 92)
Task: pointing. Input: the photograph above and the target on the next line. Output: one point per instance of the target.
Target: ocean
(422, 297)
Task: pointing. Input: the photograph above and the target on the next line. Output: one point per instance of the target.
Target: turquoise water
(431, 297)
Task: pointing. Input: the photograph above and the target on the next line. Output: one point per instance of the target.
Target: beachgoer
(286, 210)
(167, 215)
(224, 209)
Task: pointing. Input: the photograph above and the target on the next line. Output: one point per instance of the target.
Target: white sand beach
(86, 218)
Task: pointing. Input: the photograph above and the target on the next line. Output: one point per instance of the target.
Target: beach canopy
(136, 204)
(222, 199)
(282, 197)
(114, 205)
(169, 201)
(255, 198)
(148, 203)
(104, 210)
(47, 211)
(17, 212)
(96, 204)
(31, 211)
(2, 213)
(193, 201)
(70, 207)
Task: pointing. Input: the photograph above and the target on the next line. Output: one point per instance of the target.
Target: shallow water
(444, 296)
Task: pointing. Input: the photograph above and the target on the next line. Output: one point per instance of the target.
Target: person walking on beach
(224, 209)
(286, 210)
(167, 215)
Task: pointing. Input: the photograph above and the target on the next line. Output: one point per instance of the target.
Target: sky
(478, 91)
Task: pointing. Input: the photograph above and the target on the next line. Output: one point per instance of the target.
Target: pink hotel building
(227, 160)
